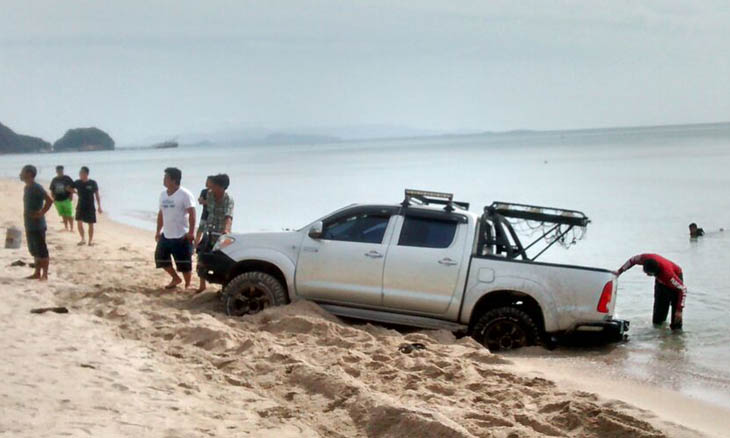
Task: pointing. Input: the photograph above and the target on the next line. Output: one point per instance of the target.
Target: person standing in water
(175, 229)
(669, 288)
(87, 189)
(62, 189)
(36, 204)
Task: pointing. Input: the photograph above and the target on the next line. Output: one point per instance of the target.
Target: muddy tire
(252, 292)
(506, 328)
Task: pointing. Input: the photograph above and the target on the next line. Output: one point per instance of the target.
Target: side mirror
(315, 232)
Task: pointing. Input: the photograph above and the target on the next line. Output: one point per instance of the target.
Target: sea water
(640, 187)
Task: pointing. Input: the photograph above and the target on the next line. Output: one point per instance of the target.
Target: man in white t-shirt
(175, 229)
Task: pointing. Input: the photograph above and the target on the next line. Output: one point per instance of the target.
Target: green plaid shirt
(218, 211)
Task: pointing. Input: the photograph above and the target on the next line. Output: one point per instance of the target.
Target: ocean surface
(641, 187)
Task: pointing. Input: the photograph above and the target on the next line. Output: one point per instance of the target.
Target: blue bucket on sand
(13, 238)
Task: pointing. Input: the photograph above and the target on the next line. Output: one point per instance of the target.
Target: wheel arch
(508, 298)
(264, 266)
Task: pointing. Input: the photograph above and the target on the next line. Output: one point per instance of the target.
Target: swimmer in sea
(695, 232)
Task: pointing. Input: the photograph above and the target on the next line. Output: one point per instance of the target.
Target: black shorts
(664, 298)
(181, 250)
(87, 215)
(37, 243)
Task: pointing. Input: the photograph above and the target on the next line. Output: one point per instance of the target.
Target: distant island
(12, 143)
(84, 139)
(287, 138)
(165, 145)
(74, 140)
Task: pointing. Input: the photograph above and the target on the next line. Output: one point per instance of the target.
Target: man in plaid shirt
(220, 216)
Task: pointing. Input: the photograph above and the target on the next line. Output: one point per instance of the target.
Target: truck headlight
(223, 242)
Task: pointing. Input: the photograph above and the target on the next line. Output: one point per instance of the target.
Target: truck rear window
(427, 232)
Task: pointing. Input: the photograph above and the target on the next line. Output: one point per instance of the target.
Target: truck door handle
(448, 262)
(373, 255)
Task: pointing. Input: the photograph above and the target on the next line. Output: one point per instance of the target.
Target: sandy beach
(131, 359)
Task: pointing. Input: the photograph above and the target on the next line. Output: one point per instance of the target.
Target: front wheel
(505, 328)
(252, 292)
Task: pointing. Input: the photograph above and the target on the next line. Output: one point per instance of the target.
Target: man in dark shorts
(87, 189)
(36, 204)
(669, 288)
(62, 189)
(220, 217)
(175, 229)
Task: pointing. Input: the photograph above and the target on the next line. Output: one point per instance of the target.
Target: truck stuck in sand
(427, 262)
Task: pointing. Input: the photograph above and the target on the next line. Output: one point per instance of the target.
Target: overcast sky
(143, 68)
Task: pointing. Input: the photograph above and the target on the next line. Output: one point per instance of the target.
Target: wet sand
(131, 359)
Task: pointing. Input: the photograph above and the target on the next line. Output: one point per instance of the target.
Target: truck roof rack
(559, 223)
(539, 214)
(425, 197)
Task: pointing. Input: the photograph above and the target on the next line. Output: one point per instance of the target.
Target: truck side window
(362, 227)
(427, 232)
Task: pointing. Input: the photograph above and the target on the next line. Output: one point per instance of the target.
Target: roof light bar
(410, 193)
(426, 197)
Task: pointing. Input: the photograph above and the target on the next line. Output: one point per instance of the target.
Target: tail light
(606, 296)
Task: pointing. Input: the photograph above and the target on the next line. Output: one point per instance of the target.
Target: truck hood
(277, 240)
(264, 245)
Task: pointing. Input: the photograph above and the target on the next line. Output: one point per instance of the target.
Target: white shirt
(175, 216)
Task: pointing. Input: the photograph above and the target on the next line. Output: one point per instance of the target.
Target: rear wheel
(252, 292)
(505, 328)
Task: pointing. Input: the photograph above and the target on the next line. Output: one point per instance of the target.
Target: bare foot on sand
(82, 243)
(173, 283)
(33, 277)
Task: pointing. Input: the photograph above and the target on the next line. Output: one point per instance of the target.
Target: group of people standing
(63, 188)
(176, 220)
(37, 202)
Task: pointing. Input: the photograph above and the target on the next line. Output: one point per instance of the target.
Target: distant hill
(287, 138)
(84, 139)
(12, 143)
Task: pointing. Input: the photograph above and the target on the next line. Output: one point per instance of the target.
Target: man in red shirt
(669, 286)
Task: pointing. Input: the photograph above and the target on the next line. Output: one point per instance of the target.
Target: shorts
(180, 250)
(64, 208)
(37, 243)
(87, 215)
(202, 226)
(664, 298)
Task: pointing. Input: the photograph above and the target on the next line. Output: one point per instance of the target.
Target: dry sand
(131, 359)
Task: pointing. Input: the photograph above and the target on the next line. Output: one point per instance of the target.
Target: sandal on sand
(49, 309)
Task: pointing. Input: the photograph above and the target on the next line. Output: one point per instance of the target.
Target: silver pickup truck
(428, 262)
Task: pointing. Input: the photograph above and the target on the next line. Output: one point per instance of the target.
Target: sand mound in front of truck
(345, 379)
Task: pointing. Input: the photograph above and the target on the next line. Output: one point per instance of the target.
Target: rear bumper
(214, 266)
(612, 330)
